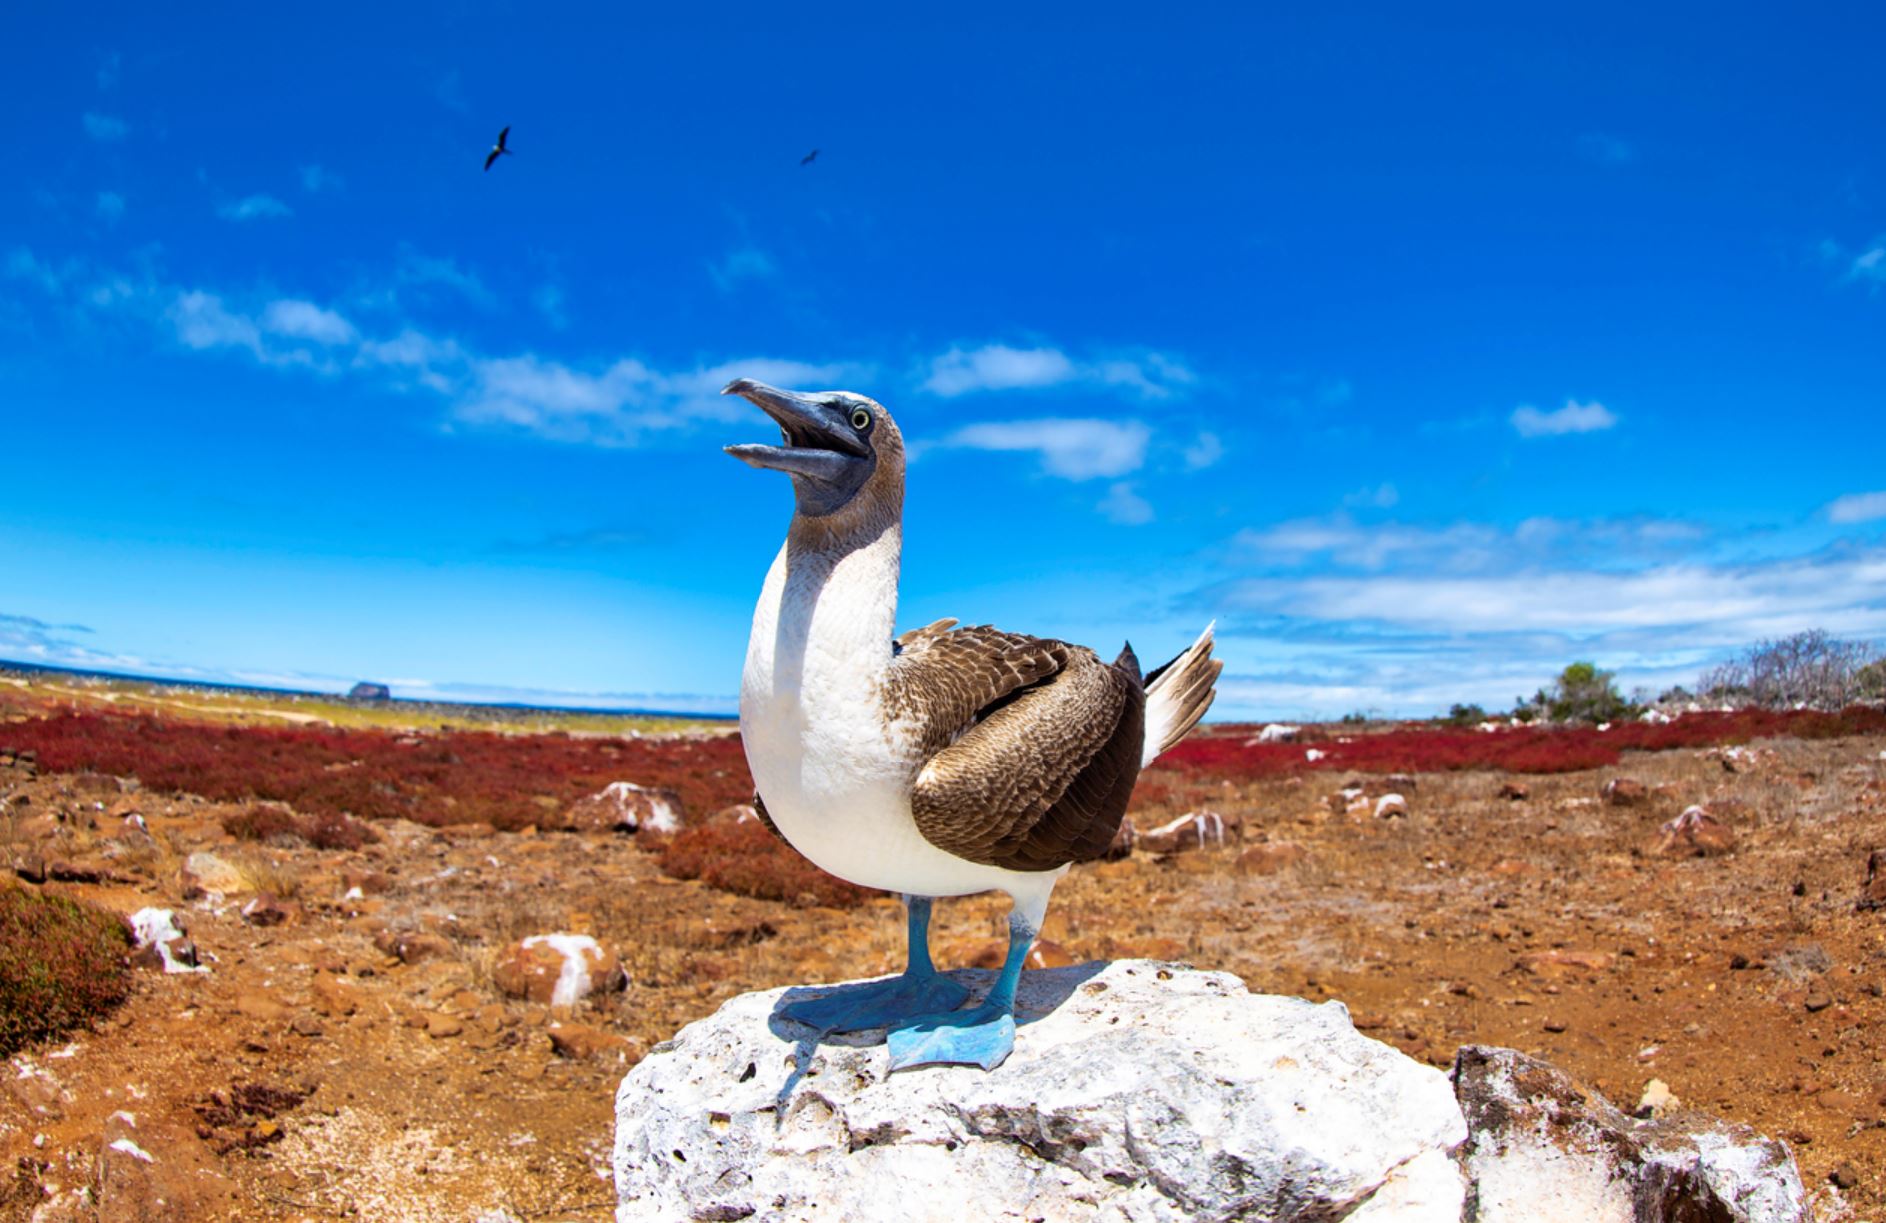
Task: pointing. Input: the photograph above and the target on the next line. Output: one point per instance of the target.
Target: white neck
(822, 630)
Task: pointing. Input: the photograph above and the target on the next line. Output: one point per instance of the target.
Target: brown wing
(1031, 746)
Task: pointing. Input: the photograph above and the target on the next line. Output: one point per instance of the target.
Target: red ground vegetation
(1231, 753)
(448, 778)
(750, 861)
(322, 830)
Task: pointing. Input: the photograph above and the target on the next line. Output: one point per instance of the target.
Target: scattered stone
(439, 1027)
(1277, 732)
(205, 874)
(1817, 1000)
(557, 969)
(1873, 891)
(1624, 792)
(1564, 962)
(579, 1041)
(739, 813)
(332, 995)
(1270, 857)
(1554, 1025)
(366, 880)
(1542, 1147)
(1136, 1090)
(1389, 806)
(1513, 791)
(258, 1005)
(305, 1025)
(1657, 1100)
(161, 942)
(1194, 830)
(266, 910)
(410, 947)
(155, 1171)
(1844, 1177)
(623, 806)
(1694, 834)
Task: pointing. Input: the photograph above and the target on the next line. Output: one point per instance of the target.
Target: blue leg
(919, 990)
(980, 1036)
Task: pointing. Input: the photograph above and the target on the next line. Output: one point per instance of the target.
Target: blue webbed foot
(981, 1036)
(879, 1004)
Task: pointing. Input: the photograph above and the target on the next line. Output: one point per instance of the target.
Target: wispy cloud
(303, 320)
(1383, 496)
(548, 300)
(254, 208)
(107, 74)
(1574, 417)
(109, 206)
(105, 128)
(999, 367)
(1074, 449)
(1341, 542)
(28, 639)
(1125, 506)
(744, 263)
(1869, 265)
(317, 178)
(1857, 507)
(1606, 150)
(1205, 451)
(420, 271)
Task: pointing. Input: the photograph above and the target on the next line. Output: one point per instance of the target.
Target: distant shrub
(1583, 693)
(748, 860)
(1465, 715)
(63, 963)
(1808, 669)
(276, 825)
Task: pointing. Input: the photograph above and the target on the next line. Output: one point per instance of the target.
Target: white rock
(1313, 754)
(1137, 1091)
(157, 928)
(1277, 732)
(1390, 805)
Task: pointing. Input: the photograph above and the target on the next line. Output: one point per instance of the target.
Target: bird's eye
(860, 419)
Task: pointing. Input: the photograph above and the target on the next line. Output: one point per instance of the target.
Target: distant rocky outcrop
(366, 691)
(1147, 1091)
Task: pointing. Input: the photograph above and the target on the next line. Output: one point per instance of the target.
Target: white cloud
(1462, 547)
(1857, 507)
(303, 320)
(1869, 265)
(107, 75)
(318, 178)
(109, 206)
(1073, 449)
(1204, 451)
(1574, 417)
(998, 367)
(423, 271)
(203, 321)
(105, 128)
(1124, 506)
(253, 208)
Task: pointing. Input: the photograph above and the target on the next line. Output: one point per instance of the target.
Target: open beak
(816, 440)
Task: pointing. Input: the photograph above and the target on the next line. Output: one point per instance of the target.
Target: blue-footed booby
(940, 763)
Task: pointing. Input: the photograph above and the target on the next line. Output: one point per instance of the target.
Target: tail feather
(1177, 696)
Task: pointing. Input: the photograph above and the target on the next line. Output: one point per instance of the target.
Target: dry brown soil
(1748, 982)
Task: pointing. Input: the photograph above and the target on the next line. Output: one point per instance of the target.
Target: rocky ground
(353, 1050)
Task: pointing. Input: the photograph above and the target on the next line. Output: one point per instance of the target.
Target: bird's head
(842, 450)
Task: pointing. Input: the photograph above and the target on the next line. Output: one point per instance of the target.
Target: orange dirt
(1747, 981)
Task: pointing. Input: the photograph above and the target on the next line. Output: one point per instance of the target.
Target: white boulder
(1137, 1091)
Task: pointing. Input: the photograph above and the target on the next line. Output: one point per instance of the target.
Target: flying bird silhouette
(498, 150)
(809, 158)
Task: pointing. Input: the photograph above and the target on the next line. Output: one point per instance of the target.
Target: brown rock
(1512, 791)
(438, 1027)
(1873, 891)
(739, 813)
(578, 1040)
(557, 969)
(369, 881)
(1625, 792)
(257, 1005)
(203, 872)
(1694, 834)
(334, 995)
(266, 910)
(1391, 806)
(411, 947)
(1270, 857)
(155, 1172)
(1564, 962)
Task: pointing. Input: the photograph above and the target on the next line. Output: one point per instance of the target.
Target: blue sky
(1425, 350)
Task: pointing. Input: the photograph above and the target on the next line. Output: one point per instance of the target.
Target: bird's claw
(982, 1036)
